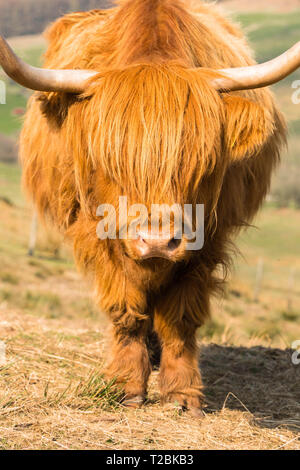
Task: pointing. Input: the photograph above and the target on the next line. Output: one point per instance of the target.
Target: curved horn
(69, 81)
(261, 75)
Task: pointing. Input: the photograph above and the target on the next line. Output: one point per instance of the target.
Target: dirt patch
(262, 381)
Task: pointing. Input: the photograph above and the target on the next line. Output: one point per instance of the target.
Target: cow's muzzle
(159, 246)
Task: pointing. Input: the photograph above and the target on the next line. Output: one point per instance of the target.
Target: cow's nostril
(174, 243)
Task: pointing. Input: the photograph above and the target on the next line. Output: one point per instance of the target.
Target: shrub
(286, 188)
(8, 149)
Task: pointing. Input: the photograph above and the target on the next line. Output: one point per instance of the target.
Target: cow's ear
(248, 126)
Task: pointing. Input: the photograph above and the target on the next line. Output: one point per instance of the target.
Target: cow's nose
(161, 246)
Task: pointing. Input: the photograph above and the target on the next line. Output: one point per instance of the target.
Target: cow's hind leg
(130, 366)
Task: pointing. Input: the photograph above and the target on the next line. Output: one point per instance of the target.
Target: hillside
(18, 17)
(261, 5)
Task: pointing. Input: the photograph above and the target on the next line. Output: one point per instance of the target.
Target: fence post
(258, 279)
(33, 234)
(291, 288)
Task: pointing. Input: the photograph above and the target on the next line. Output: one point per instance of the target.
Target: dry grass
(52, 395)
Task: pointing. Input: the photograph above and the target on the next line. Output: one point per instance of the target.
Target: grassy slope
(16, 96)
(271, 34)
(51, 393)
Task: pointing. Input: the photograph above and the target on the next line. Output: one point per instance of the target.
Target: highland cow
(163, 104)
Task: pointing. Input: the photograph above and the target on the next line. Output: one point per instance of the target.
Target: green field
(16, 96)
(270, 34)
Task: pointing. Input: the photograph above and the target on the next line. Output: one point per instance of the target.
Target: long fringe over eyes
(155, 130)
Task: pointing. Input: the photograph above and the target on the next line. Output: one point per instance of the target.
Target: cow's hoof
(195, 412)
(133, 402)
(191, 411)
(187, 405)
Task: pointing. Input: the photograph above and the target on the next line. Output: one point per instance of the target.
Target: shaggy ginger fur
(150, 126)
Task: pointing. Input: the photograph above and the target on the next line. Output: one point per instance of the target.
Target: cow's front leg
(176, 319)
(130, 366)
